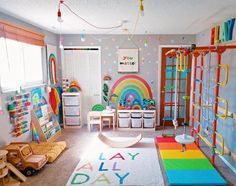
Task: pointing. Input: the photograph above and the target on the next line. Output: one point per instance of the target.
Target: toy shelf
(50, 129)
(136, 120)
(72, 109)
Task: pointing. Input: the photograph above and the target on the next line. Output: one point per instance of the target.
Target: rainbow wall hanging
(131, 87)
(52, 64)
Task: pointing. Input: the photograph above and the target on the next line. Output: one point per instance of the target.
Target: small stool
(107, 119)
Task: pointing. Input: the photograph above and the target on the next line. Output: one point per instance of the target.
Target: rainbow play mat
(131, 87)
(186, 168)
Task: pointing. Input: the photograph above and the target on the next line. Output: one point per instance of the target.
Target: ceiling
(160, 16)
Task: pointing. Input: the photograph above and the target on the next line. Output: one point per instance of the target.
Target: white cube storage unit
(124, 115)
(71, 99)
(71, 102)
(136, 114)
(148, 122)
(124, 122)
(136, 122)
(71, 111)
(72, 120)
(136, 119)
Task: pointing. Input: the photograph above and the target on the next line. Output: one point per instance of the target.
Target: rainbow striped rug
(186, 168)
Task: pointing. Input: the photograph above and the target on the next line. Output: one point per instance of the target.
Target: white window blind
(20, 64)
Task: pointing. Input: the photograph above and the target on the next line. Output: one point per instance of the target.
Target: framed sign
(128, 60)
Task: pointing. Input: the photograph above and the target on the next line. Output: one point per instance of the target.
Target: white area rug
(102, 165)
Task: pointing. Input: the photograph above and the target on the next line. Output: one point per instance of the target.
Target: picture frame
(128, 60)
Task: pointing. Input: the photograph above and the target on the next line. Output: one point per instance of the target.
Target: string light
(145, 43)
(141, 8)
(82, 38)
(59, 19)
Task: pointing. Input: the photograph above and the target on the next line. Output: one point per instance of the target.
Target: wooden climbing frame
(197, 103)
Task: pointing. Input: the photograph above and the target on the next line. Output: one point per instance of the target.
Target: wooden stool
(94, 118)
(108, 119)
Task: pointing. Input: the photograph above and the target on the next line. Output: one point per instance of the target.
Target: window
(21, 64)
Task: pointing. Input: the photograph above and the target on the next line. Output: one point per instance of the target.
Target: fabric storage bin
(136, 114)
(148, 115)
(72, 120)
(136, 123)
(148, 122)
(72, 111)
(124, 122)
(124, 115)
(71, 100)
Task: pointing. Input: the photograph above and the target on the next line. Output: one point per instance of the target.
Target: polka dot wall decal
(109, 54)
(172, 41)
(91, 43)
(113, 39)
(109, 69)
(114, 62)
(148, 73)
(104, 62)
(142, 58)
(140, 40)
(117, 47)
(148, 54)
(99, 40)
(149, 61)
(140, 49)
(157, 61)
(106, 48)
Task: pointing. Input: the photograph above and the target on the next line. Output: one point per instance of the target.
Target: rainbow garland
(52, 67)
(131, 87)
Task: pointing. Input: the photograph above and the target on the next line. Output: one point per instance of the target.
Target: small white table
(101, 115)
(184, 139)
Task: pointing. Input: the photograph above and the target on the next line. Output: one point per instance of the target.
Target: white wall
(5, 126)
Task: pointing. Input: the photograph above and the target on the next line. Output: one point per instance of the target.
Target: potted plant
(107, 96)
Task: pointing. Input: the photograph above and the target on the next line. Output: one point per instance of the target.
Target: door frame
(159, 77)
(100, 63)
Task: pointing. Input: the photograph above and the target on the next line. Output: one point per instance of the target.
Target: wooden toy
(18, 108)
(5, 168)
(22, 157)
(3, 171)
(119, 144)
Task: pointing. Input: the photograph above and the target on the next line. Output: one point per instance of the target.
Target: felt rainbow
(131, 87)
(52, 69)
(35, 133)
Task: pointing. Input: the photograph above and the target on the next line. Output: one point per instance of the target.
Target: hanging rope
(80, 17)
